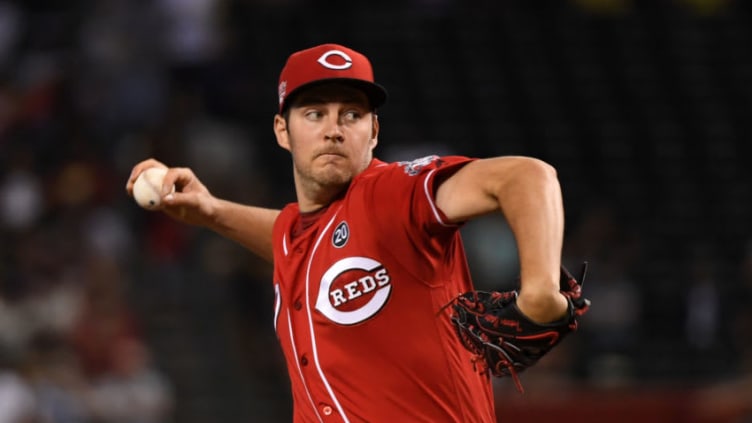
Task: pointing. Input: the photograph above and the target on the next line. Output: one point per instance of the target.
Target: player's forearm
(249, 226)
(532, 205)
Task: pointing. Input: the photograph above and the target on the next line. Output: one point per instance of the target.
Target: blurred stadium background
(109, 313)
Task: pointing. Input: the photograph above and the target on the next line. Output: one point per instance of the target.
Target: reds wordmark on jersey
(358, 295)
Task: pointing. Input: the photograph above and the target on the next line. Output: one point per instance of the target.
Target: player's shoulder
(414, 167)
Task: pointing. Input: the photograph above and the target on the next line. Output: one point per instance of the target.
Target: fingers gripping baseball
(138, 169)
(181, 195)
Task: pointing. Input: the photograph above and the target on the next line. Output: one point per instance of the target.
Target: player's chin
(334, 176)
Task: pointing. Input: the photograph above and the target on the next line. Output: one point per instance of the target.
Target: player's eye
(352, 115)
(313, 115)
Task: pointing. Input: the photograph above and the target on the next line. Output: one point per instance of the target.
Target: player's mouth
(330, 155)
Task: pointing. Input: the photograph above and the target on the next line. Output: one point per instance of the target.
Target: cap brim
(376, 93)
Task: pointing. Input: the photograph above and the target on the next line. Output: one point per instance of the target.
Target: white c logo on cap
(324, 60)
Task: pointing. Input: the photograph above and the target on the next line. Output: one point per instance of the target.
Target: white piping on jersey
(431, 200)
(300, 372)
(310, 319)
(284, 243)
(277, 304)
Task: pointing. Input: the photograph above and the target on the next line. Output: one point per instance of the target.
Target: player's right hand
(191, 203)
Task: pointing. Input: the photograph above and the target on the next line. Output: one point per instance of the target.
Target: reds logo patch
(413, 167)
(353, 290)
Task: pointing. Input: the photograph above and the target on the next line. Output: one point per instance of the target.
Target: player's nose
(334, 129)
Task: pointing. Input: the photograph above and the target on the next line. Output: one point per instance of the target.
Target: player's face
(330, 132)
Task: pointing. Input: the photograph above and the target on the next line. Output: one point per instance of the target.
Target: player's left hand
(491, 325)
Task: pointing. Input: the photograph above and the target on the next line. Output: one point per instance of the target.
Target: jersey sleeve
(408, 190)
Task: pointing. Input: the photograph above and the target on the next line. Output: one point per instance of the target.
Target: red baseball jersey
(359, 296)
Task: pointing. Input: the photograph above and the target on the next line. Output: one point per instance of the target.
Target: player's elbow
(526, 177)
(540, 167)
(531, 169)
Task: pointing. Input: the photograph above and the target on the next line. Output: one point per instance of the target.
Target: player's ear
(280, 131)
(374, 130)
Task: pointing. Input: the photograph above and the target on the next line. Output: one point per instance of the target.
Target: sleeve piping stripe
(431, 201)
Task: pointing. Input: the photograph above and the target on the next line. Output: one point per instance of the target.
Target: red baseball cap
(327, 63)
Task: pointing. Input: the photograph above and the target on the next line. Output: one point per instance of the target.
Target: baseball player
(369, 255)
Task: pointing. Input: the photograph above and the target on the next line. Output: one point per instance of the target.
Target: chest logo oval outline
(377, 282)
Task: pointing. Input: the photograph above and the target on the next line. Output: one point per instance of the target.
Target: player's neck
(312, 198)
(307, 220)
(309, 206)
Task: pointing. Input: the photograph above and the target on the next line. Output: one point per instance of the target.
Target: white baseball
(147, 190)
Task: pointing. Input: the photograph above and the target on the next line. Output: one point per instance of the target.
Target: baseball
(147, 190)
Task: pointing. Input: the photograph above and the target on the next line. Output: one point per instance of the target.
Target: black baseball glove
(505, 341)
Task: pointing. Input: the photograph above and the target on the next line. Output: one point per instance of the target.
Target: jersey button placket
(326, 409)
(303, 360)
(297, 305)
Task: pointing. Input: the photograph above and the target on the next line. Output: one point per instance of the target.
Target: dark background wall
(642, 106)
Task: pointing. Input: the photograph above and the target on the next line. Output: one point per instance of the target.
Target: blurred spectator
(727, 396)
(21, 198)
(703, 302)
(58, 383)
(11, 26)
(611, 328)
(17, 401)
(132, 391)
(39, 292)
(122, 84)
(105, 318)
(492, 253)
(193, 33)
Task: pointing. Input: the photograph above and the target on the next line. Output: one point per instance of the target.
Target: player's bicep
(466, 194)
(475, 189)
